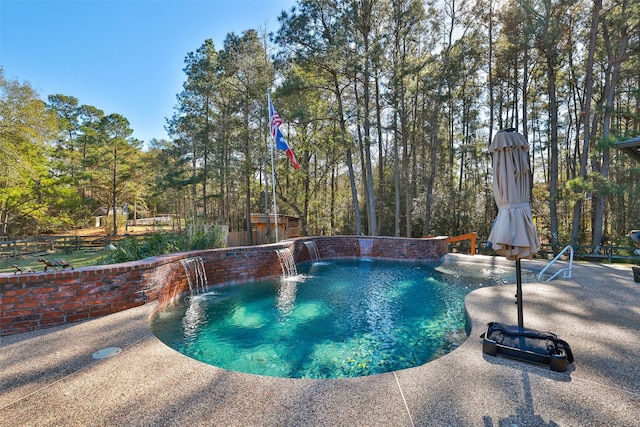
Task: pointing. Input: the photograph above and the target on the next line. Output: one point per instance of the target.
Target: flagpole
(273, 175)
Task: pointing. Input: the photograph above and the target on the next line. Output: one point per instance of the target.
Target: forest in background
(389, 106)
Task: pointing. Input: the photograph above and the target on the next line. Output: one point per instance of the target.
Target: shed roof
(107, 211)
(631, 147)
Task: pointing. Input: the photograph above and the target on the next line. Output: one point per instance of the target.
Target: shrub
(134, 248)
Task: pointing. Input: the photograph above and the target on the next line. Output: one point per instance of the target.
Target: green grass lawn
(76, 259)
(129, 249)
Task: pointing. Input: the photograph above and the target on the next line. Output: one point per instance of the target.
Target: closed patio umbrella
(513, 234)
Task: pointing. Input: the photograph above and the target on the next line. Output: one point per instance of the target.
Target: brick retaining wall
(39, 300)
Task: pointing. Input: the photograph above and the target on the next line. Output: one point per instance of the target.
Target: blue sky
(122, 56)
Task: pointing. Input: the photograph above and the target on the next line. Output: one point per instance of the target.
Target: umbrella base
(527, 345)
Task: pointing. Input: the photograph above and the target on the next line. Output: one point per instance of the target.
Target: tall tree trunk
(553, 168)
(4, 218)
(332, 211)
(205, 166)
(194, 182)
(406, 181)
(611, 80)
(525, 83)
(396, 179)
(352, 177)
(577, 208)
(491, 84)
(433, 160)
(247, 159)
(371, 196)
(361, 147)
(114, 180)
(380, 198)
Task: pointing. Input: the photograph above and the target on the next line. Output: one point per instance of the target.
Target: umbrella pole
(519, 293)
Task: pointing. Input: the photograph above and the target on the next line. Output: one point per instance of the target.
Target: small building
(101, 215)
(288, 226)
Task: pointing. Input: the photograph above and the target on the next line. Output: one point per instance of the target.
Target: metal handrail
(566, 272)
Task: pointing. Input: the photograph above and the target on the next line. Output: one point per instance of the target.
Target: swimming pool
(335, 319)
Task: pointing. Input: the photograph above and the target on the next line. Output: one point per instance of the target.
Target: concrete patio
(49, 377)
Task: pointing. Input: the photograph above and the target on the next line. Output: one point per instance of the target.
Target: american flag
(276, 121)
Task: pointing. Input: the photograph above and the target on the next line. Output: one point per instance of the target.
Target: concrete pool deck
(48, 377)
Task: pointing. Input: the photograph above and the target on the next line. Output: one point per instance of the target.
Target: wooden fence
(44, 244)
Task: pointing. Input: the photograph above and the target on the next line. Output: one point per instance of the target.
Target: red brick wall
(39, 300)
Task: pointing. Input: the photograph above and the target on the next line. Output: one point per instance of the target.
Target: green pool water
(336, 319)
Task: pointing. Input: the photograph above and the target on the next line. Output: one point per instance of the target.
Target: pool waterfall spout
(366, 246)
(196, 274)
(313, 250)
(287, 263)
